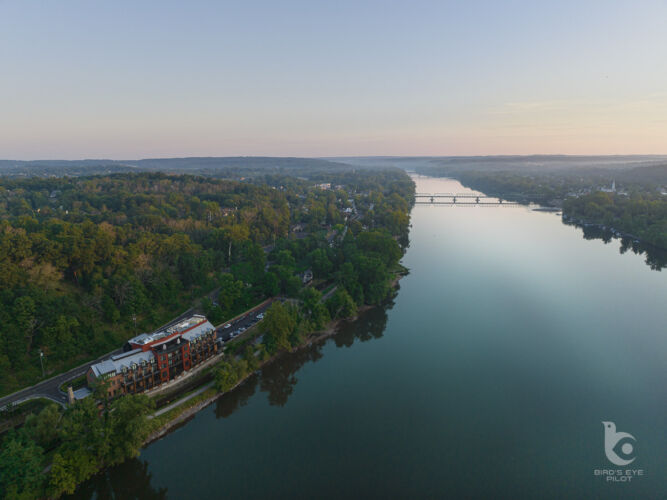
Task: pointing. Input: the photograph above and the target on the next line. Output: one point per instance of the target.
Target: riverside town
(333, 250)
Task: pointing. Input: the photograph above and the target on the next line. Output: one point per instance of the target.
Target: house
(156, 358)
(307, 276)
(611, 189)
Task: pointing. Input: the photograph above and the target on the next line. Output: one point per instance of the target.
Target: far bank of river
(488, 375)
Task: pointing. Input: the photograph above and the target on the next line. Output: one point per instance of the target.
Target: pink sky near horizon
(129, 80)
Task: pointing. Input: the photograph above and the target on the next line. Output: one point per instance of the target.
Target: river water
(487, 376)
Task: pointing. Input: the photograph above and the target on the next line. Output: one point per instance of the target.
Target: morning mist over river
(487, 375)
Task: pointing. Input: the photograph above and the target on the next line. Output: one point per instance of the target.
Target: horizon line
(532, 155)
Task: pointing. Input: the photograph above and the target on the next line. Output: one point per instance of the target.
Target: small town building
(156, 358)
(307, 276)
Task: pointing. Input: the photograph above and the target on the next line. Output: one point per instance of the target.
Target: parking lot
(238, 326)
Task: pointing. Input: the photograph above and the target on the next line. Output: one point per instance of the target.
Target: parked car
(228, 325)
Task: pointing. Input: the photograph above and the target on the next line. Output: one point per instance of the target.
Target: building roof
(116, 363)
(192, 328)
(148, 338)
(82, 393)
(198, 331)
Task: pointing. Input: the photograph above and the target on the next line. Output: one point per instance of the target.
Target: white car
(228, 325)
(260, 316)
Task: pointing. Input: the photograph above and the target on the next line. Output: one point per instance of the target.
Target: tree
(127, 425)
(271, 285)
(43, 427)
(381, 245)
(341, 304)
(231, 293)
(24, 312)
(60, 337)
(278, 324)
(63, 478)
(373, 277)
(20, 468)
(229, 373)
(310, 297)
(320, 263)
(285, 258)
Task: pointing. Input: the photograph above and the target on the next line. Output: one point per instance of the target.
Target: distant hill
(232, 167)
(532, 163)
(645, 167)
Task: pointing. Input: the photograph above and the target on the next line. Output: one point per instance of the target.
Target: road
(50, 388)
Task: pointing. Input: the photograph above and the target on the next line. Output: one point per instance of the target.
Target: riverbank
(443, 366)
(165, 422)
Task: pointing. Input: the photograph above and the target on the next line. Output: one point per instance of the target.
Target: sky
(137, 79)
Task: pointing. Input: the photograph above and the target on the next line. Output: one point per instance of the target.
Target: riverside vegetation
(635, 208)
(81, 257)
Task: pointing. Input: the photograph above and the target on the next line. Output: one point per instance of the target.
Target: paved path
(182, 400)
(328, 295)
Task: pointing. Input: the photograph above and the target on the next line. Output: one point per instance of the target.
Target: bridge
(460, 199)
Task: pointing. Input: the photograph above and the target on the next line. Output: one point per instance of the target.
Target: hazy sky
(130, 79)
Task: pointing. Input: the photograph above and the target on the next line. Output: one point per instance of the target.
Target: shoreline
(190, 411)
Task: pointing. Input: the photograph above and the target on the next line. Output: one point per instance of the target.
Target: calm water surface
(487, 376)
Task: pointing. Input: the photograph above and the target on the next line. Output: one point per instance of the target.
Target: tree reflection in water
(127, 481)
(278, 378)
(656, 258)
(131, 479)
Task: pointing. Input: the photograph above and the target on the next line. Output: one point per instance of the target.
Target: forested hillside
(87, 262)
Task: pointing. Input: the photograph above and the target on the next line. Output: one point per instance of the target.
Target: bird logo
(618, 446)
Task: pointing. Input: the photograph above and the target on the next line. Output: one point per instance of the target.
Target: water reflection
(131, 479)
(127, 481)
(656, 258)
(278, 378)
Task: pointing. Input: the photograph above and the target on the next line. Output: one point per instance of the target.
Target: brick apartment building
(155, 358)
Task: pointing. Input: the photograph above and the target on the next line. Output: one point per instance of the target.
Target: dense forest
(88, 262)
(641, 215)
(74, 444)
(220, 167)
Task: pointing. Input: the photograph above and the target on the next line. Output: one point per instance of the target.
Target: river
(487, 376)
